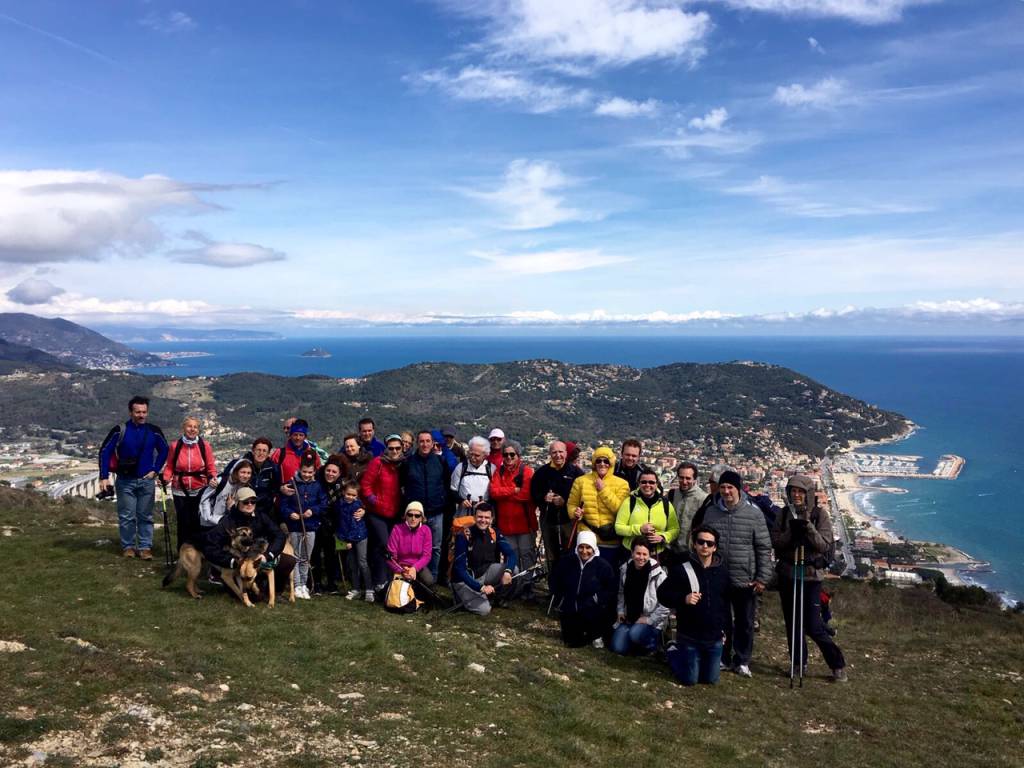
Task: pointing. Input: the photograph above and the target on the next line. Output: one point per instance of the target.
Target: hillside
(18, 357)
(72, 343)
(116, 671)
(756, 409)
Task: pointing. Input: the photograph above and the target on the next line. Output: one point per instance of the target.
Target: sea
(965, 394)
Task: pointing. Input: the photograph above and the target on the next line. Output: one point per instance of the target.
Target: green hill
(118, 672)
(754, 407)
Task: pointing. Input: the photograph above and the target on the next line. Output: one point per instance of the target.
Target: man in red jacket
(515, 511)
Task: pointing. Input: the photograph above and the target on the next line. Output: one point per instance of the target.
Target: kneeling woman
(409, 550)
(698, 591)
(641, 616)
(585, 589)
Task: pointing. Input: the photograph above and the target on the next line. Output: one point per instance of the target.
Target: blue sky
(833, 164)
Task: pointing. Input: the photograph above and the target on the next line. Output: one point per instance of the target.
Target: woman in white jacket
(641, 616)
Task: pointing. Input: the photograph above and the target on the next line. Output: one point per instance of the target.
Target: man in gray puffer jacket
(746, 547)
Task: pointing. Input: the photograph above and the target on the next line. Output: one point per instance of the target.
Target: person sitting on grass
(641, 616)
(698, 591)
(409, 550)
(351, 528)
(585, 590)
(484, 564)
(302, 513)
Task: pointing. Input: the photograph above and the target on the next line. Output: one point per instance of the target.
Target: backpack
(401, 597)
(208, 500)
(460, 527)
(194, 473)
(464, 464)
(119, 433)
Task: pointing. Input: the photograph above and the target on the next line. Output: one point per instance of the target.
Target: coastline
(854, 500)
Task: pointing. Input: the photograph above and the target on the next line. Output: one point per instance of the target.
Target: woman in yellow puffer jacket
(596, 497)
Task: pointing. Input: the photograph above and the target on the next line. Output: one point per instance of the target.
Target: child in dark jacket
(351, 528)
(302, 513)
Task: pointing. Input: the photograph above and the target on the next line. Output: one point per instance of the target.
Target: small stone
(224, 687)
(13, 646)
(295, 686)
(474, 667)
(398, 657)
(501, 644)
(352, 696)
(245, 707)
(711, 711)
(669, 705)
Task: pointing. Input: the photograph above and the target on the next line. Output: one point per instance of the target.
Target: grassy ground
(121, 673)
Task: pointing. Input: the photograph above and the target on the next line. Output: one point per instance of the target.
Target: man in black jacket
(549, 489)
(425, 478)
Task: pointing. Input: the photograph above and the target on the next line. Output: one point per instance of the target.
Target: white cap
(496, 433)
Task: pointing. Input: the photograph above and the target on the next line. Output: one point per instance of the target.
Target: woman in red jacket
(189, 469)
(381, 492)
(515, 512)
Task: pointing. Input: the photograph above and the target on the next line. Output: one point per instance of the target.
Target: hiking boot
(302, 593)
(128, 553)
(145, 554)
(743, 670)
(839, 676)
(369, 596)
(352, 594)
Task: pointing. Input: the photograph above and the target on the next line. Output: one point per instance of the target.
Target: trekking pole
(168, 560)
(305, 545)
(792, 623)
(800, 637)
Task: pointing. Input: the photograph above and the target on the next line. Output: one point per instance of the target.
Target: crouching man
(484, 564)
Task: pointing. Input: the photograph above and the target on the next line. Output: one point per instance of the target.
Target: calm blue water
(965, 394)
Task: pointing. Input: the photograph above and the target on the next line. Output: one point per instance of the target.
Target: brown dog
(240, 580)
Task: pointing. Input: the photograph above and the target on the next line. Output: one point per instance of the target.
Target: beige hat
(245, 493)
(414, 506)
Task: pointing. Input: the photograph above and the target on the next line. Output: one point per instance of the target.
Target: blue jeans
(641, 637)
(692, 663)
(135, 496)
(436, 524)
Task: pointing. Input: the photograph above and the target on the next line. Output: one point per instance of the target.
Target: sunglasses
(601, 461)
(413, 514)
(705, 542)
(394, 447)
(510, 455)
(247, 501)
(648, 482)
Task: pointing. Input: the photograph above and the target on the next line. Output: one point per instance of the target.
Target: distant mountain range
(69, 343)
(131, 335)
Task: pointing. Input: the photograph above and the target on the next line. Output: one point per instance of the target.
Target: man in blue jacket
(425, 477)
(135, 452)
(484, 564)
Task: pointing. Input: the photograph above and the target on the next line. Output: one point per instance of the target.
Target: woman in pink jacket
(410, 548)
(189, 469)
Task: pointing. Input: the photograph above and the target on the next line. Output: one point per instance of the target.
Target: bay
(965, 394)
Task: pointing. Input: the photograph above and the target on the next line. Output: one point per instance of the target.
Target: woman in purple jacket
(410, 547)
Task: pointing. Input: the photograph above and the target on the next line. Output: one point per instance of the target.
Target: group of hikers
(622, 554)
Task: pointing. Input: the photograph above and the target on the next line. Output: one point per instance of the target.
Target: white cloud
(549, 262)
(33, 291)
(62, 215)
(225, 255)
(684, 145)
(475, 83)
(528, 196)
(624, 108)
(712, 121)
(816, 46)
(861, 11)
(594, 32)
(825, 94)
(803, 200)
(170, 22)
